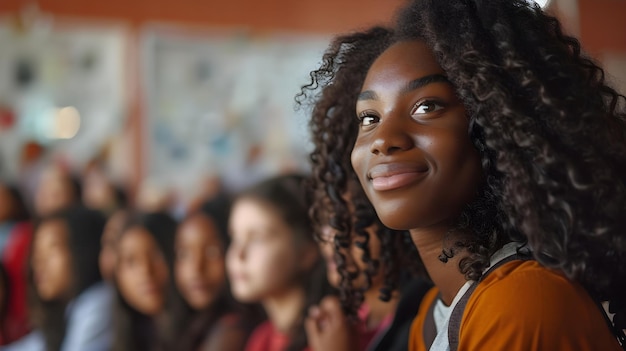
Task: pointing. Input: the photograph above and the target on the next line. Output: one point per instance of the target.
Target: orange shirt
(525, 306)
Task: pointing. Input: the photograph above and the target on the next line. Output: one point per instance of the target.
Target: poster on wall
(62, 88)
(221, 103)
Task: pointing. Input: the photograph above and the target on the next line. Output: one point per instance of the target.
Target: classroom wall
(600, 25)
(320, 16)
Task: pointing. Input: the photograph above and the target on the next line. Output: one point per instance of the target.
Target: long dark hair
(189, 326)
(288, 195)
(84, 231)
(133, 330)
(551, 133)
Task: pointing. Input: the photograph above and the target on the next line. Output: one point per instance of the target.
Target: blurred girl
(208, 318)
(15, 236)
(57, 189)
(142, 276)
(274, 260)
(70, 306)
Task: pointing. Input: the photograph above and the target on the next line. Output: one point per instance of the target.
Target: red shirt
(366, 336)
(266, 338)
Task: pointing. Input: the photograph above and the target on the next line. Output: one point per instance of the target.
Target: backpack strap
(429, 328)
(454, 326)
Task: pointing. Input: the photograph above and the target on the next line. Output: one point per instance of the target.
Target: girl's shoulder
(523, 305)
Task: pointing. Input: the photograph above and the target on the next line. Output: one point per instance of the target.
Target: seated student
(207, 318)
(69, 304)
(143, 274)
(15, 236)
(273, 260)
(385, 312)
(57, 189)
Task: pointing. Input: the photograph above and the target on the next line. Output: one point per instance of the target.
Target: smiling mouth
(385, 177)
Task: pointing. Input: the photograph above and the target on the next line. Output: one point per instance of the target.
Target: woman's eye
(367, 119)
(426, 107)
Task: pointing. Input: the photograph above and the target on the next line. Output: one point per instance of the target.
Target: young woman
(460, 130)
(69, 304)
(57, 189)
(274, 260)
(207, 317)
(143, 278)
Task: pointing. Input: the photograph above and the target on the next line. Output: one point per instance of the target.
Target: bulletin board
(50, 68)
(221, 103)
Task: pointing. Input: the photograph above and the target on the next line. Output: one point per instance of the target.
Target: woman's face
(142, 274)
(263, 259)
(413, 154)
(51, 261)
(200, 273)
(55, 192)
(108, 253)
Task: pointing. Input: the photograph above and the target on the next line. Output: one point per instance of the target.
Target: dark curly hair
(550, 131)
(333, 92)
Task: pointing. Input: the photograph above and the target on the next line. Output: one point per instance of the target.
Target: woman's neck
(446, 276)
(285, 309)
(378, 309)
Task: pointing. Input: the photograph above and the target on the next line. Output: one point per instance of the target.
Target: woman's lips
(391, 176)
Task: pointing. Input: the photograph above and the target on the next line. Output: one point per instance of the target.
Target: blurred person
(101, 193)
(384, 315)
(57, 189)
(154, 196)
(15, 237)
(208, 318)
(143, 278)
(274, 260)
(108, 252)
(70, 306)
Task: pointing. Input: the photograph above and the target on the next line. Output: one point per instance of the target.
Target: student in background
(69, 304)
(15, 236)
(207, 317)
(143, 278)
(57, 189)
(274, 260)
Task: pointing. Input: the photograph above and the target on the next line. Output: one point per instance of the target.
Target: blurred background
(170, 100)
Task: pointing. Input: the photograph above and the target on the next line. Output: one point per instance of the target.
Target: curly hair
(332, 93)
(550, 131)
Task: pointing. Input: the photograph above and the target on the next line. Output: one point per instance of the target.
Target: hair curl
(332, 93)
(551, 133)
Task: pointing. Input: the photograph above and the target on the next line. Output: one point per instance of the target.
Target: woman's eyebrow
(412, 85)
(423, 81)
